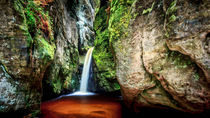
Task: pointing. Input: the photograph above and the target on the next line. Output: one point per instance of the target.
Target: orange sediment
(82, 107)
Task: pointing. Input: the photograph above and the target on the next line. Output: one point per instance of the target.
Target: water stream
(85, 75)
(86, 71)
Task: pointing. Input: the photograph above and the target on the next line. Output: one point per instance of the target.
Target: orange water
(82, 107)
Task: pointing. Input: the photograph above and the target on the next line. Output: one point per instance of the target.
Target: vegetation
(104, 53)
(37, 27)
(111, 24)
(182, 61)
(178, 59)
(149, 9)
(121, 14)
(170, 17)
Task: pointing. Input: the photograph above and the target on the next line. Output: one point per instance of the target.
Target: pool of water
(103, 106)
(91, 106)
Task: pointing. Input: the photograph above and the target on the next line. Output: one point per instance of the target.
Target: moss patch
(121, 14)
(37, 28)
(103, 53)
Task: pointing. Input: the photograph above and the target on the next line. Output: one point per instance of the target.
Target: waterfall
(86, 15)
(85, 76)
(86, 71)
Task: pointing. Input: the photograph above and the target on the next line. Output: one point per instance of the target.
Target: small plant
(170, 17)
(149, 9)
(196, 76)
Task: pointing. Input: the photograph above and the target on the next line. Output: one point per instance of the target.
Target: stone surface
(61, 76)
(190, 34)
(164, 62)
(22, 67)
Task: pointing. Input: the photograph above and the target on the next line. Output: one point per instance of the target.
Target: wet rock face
(86, 11)
(61, 76)
(20, 73)
(164, 61)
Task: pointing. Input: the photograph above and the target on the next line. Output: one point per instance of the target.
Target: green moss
(103, 53)
(57, 86)
(178, 59)
(172, 8)
(106, 34)
(120, 18)
(35, 19)
(36, 27)
(63, 75)
(182, 61)
(19, 7)
(97, 5)
(196, 76)
(45, 49)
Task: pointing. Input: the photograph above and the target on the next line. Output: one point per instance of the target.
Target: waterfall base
(80, 93)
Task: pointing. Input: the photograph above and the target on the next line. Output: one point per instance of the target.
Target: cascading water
(86, 15)
(85, 75)
(86, 71)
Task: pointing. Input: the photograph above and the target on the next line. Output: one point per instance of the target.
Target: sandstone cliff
(162, 54)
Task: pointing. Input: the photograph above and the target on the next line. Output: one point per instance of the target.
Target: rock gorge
(156, 52)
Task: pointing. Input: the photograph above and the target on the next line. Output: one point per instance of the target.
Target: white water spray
(85, 76)
(86, 71)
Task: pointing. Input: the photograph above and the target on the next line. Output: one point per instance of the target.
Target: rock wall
(61, 75)
(23, 60)
(163, 53)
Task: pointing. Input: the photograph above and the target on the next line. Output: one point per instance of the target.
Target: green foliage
(120, 18)
(196, 76)
(106, 34)
(170, 17)
(182, 61)
(149, 9)
(102, 53)
(57, 86)
(31, 16)
(172, 8)
(19, 7)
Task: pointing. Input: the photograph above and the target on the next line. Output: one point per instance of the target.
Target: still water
(93, 106)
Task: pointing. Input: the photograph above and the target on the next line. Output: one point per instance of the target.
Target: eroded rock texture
(21, 68)
(164, 61)
(61, 76)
